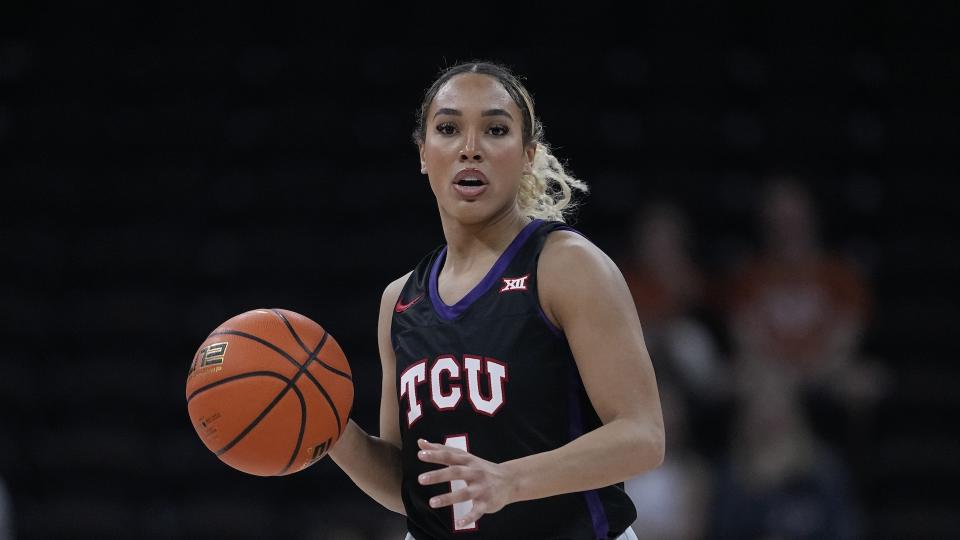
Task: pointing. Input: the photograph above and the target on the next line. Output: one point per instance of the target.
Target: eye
(498, 131)
(446, 128)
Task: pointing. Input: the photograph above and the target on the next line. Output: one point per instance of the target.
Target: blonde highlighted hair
(547, 191)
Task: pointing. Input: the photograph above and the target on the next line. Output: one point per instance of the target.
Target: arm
(582, 290)
(373, 463)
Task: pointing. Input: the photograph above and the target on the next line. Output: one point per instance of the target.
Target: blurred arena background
(165, 169)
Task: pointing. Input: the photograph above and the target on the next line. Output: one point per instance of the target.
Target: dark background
(165, 168)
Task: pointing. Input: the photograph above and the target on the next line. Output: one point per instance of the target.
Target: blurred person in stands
(779, 481)
(669, 289)
(801, 308)
(672, 500)
(659, 266)
(6, 517)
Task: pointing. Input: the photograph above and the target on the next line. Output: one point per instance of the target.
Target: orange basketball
(269, 392)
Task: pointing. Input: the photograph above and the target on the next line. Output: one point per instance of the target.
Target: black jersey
(492, 375)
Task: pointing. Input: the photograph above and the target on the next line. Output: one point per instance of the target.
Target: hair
(547, 191)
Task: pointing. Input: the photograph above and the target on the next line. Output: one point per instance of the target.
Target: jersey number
(462, 508)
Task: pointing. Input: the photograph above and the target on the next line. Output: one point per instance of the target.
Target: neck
(795, 253)
(472, 243)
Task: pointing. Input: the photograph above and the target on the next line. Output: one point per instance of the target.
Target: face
(789, 218)
(473, 150)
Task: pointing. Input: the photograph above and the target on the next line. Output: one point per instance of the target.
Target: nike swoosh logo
(401, 307)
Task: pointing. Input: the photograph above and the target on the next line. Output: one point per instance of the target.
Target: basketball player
(517, 390)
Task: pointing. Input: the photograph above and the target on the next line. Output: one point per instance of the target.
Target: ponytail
(547, 191)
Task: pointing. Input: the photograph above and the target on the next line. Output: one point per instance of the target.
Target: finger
(444, 457)
(473, 515)
(453, 497)
(425, 444)
(448, 474)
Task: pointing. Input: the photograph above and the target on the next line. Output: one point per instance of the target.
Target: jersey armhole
(556, 330)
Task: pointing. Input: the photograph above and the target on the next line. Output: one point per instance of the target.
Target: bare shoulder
(387, 302)
(568, 257)
(385, 321)
(392, 291)
(389, 426)
(574, 272)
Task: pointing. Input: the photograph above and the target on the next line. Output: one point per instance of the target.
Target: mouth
(470, 183)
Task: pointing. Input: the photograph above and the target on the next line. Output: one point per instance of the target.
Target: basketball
(269, 392)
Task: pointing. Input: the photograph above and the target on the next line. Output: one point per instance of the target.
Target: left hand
(489, 485)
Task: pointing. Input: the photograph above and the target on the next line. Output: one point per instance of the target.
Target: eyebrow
(488, 112)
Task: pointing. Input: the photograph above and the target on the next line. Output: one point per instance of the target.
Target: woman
(517, 391)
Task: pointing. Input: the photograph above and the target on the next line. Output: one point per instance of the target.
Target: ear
(531, 152)
(423, 161)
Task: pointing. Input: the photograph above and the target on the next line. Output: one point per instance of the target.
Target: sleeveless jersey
(492, 375)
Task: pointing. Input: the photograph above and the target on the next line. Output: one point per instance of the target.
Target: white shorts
(627, 535)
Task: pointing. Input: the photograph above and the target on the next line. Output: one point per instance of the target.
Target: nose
(470, 152)
(466, 156)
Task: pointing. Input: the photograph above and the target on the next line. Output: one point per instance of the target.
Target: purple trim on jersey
(557, 331)
(452, 312)
(601, 526)
(571, 229)
(546, 320)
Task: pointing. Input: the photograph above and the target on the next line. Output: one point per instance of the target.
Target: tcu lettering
(445, 390)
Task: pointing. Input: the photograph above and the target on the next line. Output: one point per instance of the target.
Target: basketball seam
(304, 347)
(303, 427)
(301, 367)
(235, 377)
(281, 352)
(303, 406)
(263, 414)
(326, 396)
(333, 407)
(290, 384)
(259, 340)
(278, 350)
